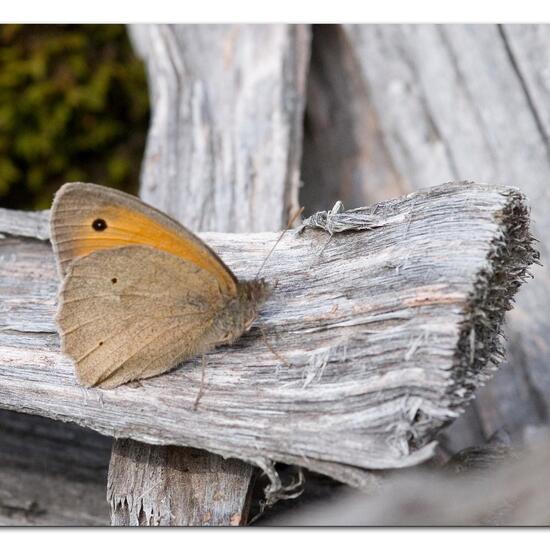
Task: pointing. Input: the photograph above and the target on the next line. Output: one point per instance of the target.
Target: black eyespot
(100, 343)
(114, 280)
(99, 224)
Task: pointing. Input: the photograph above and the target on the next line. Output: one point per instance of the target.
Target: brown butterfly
(140, 293)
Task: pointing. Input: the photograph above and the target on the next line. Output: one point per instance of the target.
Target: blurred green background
(73, 107)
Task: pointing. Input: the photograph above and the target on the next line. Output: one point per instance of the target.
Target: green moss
(73, 106)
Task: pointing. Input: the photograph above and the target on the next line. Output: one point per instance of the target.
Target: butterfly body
(140, 293)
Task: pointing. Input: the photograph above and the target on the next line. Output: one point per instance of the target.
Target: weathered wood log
(411, 104)
(223, 154)
(166, 484)
(224, 145)
(373, 341)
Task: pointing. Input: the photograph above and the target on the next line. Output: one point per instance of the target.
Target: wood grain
(164, 484)
(439, 103)
(224, 145)
(386, 335)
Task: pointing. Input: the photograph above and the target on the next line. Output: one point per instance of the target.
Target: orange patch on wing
(127, 227)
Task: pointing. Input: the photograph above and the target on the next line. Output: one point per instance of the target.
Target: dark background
(73, 107)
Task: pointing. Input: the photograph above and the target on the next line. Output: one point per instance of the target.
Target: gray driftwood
(223, 154)
(391, 107)
(224, 145)
(371, 342)
(167, 485)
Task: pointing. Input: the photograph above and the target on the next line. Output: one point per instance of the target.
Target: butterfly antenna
(288, 226)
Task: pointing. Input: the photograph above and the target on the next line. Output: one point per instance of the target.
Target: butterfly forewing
(86, 218)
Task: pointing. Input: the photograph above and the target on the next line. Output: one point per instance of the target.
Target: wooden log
(424, 103)
(373, 341)
(165, 485)
(224, 145)
(223, 154)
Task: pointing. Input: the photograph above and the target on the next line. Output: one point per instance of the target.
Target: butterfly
(140, 293)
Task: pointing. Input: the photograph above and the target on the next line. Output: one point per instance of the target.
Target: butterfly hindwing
(134, 312)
